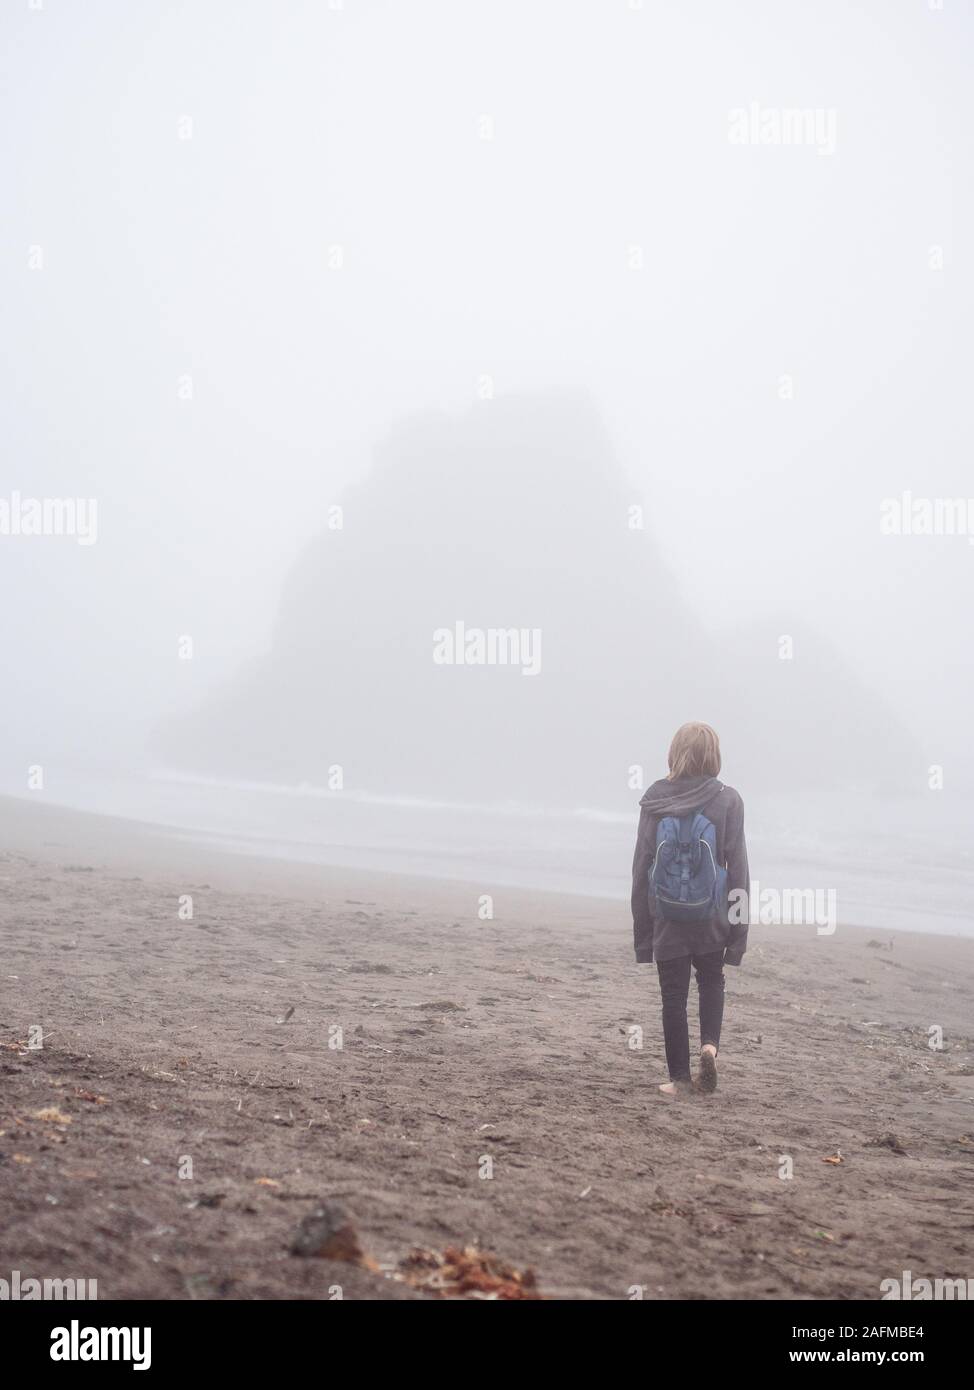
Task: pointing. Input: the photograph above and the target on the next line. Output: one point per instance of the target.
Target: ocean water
(890, 865)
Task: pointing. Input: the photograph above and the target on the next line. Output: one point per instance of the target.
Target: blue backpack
(685, 879)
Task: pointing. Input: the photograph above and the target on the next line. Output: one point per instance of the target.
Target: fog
(486, 278)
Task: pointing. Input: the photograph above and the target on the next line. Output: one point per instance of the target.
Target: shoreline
(167, 846)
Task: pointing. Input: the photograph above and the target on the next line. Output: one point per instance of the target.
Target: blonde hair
(695, 751)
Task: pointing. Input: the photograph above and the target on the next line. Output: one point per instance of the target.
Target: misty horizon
(219, 318)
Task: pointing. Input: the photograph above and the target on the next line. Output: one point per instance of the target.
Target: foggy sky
(466, 258)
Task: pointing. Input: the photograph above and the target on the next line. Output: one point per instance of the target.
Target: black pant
(674, 983)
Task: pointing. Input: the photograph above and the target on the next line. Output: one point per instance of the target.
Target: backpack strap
(684, 835)
(685, 829)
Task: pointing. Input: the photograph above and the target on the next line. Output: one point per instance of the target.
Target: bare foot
(670, 1089)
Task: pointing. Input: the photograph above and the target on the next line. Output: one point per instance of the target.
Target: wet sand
(467, 1046)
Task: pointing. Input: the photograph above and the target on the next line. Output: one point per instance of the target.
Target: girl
(705, 944)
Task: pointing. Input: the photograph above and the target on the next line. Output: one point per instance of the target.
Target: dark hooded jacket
(656, 938)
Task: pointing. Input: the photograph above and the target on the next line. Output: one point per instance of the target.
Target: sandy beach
(462, 1040)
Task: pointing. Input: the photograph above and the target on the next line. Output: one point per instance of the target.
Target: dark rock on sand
(886, 1141)
(328, 1233)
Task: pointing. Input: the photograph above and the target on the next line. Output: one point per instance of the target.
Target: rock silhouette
(514, 519)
